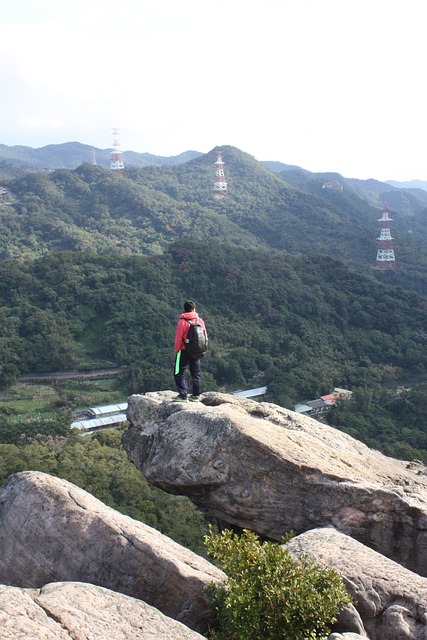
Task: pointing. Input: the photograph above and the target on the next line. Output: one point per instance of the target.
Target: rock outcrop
(389, 599)
(52, 531)
(257, 466)
(251, 465)
(78, 611)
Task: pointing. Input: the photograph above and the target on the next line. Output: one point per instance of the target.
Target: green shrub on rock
(269, 595)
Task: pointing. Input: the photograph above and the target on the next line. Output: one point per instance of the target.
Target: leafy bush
(268, 595)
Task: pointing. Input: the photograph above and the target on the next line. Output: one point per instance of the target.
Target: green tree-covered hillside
(301, 324)
(144, 211)
(96, 264)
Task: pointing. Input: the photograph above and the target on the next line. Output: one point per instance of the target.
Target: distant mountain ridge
(91, 208)
(145, 209)
(405, 198)
(71, 155)
(411, 184)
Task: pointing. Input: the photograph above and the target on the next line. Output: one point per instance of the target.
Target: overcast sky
(332, 85)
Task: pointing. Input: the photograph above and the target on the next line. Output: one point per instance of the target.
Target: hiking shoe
(194, 398)
(180, 399)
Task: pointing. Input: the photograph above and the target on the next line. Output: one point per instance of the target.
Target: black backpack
(196, 342)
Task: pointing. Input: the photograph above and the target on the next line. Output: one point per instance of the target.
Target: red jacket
(182, 328)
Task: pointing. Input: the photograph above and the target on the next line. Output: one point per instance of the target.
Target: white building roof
(98, 423)
(251, 393)
(108, 408)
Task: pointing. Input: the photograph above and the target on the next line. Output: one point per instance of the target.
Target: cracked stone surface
(390, 600)
(258, 466)
(52, 531)
(77, 611)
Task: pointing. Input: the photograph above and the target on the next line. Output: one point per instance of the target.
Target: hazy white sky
(332, 85)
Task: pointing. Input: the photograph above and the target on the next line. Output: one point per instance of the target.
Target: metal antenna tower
(117, 163)
(220, 185)
(385, 253)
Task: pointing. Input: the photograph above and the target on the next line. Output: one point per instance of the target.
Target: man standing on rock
(187, 355)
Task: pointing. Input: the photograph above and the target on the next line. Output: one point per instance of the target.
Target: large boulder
(258, 466)
(62, 611)
(52, 531)
(390, 600)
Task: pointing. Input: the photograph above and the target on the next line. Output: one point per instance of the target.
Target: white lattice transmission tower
(385, 253)
(220, 184)
(117, 163)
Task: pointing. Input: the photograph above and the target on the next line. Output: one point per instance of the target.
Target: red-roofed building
(331, 398)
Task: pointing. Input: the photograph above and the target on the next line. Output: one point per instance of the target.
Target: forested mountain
(409, 184)
(96, 264)
(144, 210)
(403, 197)
(70, 155)
(403, 201)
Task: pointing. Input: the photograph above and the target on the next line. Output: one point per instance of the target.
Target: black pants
(182, 362)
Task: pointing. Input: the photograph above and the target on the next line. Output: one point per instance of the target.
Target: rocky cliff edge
(258, 466)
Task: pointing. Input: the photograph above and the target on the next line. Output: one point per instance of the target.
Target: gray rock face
(52, 531)
(258, 466)
(70, 610)
(391, 601)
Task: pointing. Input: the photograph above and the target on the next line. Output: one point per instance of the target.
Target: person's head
(189, 305)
